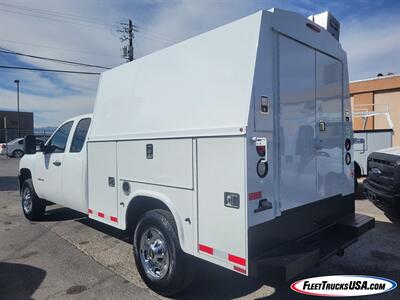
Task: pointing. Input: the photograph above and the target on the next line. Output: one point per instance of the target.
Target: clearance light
(261, 150)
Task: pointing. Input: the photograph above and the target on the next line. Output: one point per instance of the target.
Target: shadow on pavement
(19, 281)
(122, 235)
(62, 214)
(9, 183)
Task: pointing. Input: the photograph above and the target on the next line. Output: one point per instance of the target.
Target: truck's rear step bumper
(287, 261)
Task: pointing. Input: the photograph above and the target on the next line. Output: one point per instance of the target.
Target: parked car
(14, 148)
(383, 181)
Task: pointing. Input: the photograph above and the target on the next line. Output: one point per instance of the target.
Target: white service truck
(233, 147)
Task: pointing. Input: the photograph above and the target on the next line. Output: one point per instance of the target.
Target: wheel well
(357, 170)
(24, 174)
(138, 207)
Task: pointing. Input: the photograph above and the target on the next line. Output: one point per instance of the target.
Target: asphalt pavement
(70, 256)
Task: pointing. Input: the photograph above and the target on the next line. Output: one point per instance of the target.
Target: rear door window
(80, 135)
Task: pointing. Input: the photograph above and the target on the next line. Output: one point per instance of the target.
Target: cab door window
(80, 135)
(59, 140)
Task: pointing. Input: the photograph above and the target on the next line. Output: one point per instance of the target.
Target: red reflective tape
(236, 259)
(114, 219)
(239, 270)
(206, 249)
(100, 214)
(255, 195)
(90, 211)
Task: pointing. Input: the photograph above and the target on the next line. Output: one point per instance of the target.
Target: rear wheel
(18, 153)
(160, 261)
(32, 206)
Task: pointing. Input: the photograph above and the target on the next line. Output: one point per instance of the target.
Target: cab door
(48, 183)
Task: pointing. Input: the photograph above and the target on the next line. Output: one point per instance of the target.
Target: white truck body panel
(221, 168)
(171, 165)
(199, 87)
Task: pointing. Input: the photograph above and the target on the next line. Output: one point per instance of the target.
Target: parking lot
(69, 255)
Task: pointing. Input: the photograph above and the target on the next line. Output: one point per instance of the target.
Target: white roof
(201, 86)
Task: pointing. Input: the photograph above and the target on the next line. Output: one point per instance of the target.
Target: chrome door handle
(57, 163)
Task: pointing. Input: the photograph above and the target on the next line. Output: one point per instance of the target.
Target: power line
(55, 48)
(53, 59)
(76, 19)
(76, 22)
(60, 14)
(48, 70)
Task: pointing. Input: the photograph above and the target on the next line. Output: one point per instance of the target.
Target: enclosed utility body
(242, 134)
(201, 108)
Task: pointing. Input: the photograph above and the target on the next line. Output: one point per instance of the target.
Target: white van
(233, 147)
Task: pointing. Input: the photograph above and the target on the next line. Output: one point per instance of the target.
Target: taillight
(261, 150)
(2, 146)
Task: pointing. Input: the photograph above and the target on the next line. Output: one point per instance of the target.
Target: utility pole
(19, 126)
(128, 31)
(130, 34)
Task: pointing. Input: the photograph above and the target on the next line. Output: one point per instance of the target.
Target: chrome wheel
(27, 200)
(154, 254)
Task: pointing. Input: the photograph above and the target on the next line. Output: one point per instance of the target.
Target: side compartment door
(102, 182)
(329, 125)
(297, 154)
(222, 202)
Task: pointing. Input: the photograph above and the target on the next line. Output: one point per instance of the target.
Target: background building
(377, 94)
(9, 125)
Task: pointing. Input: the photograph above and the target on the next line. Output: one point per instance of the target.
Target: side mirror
(30, 144)
(39, 146)
(46, 149)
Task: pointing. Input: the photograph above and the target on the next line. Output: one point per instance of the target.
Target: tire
(355, 185)
(32, 206)
(18, 153)
(157, 231)
(357, 174)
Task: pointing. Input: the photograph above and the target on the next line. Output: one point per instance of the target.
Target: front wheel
(160, 261)
(32, 206)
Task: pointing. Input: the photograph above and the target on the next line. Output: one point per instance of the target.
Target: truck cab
(62, 157)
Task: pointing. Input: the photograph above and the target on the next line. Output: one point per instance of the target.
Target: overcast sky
(86, 31)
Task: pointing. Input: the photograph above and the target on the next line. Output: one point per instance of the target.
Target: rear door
(297, 153)
(74, 168)
(329, 127)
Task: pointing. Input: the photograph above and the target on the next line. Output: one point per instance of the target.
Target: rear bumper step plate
(288, 261)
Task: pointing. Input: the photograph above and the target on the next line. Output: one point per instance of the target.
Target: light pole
(19, 128)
